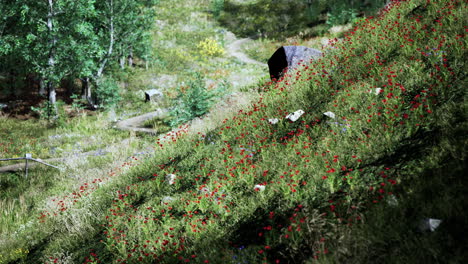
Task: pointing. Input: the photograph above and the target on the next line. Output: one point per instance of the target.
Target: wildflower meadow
(339, 145)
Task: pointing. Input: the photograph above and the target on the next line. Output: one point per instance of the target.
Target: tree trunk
(42, 87)
(122, 62)
(85, 88)
(130, 57)
(51, 94)
(86, 93)
(111, 42)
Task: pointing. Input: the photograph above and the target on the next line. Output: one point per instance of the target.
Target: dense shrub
(217, 6)
(194, 100)
(107, 93)
(279, 19)
(284, 18)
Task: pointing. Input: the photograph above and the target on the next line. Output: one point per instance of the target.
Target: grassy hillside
(346, 187)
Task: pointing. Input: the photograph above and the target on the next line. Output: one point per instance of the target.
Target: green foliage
(285, 18)
(322, 177)
(44, 110)
(54, 113)
(78, 103)
(76, 39)
(107, 92)
(342, 12)
(194, 100)
(17, 255)
(280, 19)
(341, 17)
(159, 124)
(217, 6)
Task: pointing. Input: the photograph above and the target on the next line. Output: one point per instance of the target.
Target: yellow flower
(209, 47)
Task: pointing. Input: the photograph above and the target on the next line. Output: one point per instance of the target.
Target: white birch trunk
(51, 61)
(42, 87)
(122, 62)
(111, 42)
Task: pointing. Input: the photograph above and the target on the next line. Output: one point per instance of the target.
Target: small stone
(259, 187)
(166, 199)
(392, 201)
(378, 91)
(170, 178)
(273, 121)
(329, 114)
(434, 224)
(295, 116)
(429, 224)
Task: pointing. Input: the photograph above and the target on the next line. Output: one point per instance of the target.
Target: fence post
(27, 157)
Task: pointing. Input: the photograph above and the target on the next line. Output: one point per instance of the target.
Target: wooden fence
(28, 157)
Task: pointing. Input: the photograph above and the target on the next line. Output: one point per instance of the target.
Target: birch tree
(57, 39)
(44, 40)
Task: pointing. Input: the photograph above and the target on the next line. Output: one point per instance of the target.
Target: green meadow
(378, 149)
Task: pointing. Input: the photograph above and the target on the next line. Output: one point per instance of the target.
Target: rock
(166, 200)
(392, 201)
(170, 178)
(429, 224)
(289, 57)
(273, 121)
(329, 114)
(295, 116)
(259, 187)
(378, 91)
(153, 95)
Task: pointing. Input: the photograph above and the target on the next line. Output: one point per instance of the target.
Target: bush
(286, 18)
(210, 48)
(216, 7)
(107, 93)
(279, 20)
(44, 110)
(54, 114)
(193, 101)
(342, 18)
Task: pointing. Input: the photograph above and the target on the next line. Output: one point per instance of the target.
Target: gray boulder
(288, 57)
(153, 95)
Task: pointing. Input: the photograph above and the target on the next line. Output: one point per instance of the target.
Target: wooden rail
(29, 157)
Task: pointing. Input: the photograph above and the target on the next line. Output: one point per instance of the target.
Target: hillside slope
(379, 147)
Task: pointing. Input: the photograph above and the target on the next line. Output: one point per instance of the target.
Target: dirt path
(235, 50)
